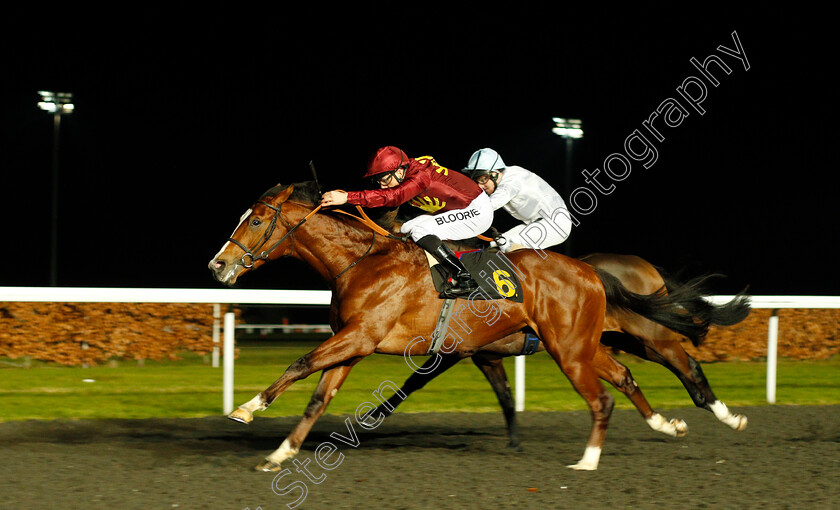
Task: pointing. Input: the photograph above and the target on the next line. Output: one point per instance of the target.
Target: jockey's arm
(391, 197)
(504, 193)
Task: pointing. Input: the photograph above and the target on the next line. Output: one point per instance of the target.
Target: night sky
(183, 119)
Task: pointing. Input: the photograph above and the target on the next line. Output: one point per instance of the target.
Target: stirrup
(459, 289)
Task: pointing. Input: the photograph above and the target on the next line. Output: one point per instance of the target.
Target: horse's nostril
(216, 265)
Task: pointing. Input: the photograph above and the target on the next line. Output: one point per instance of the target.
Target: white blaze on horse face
(241, 219)
(231, 267)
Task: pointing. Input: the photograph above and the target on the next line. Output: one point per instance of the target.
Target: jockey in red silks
(456, 207)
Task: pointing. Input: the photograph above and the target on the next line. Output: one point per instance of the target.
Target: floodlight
(567, 128)
(59, 104)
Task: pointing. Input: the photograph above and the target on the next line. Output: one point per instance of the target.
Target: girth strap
(531, 344)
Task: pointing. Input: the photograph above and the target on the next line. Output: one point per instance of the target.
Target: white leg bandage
(590, 459)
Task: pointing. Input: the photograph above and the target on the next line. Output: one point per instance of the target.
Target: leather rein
(362, 218)
(248, 258)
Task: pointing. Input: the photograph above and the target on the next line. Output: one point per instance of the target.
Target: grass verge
(192, 388)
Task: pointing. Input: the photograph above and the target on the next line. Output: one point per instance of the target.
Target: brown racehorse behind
(629, 332)
(384, 298)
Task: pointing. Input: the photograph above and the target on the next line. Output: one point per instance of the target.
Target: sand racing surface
(788, 457)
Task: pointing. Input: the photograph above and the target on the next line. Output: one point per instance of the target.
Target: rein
(366, 221)
(365, 254)
(248, 258)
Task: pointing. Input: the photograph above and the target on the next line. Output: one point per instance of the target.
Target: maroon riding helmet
(384, 160)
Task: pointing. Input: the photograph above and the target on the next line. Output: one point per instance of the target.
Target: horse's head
(263, 234)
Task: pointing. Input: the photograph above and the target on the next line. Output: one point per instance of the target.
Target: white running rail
(322, 298)
(211, 296)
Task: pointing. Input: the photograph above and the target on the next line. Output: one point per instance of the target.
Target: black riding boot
(463, 283)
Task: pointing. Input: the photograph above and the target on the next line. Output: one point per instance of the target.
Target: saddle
(497, 277)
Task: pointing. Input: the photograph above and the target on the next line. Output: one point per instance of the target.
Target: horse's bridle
(249, 252)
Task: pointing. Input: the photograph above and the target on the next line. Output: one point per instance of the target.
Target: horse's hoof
(267, 466)
(368, 420)
(680, 427)
(241, 415)
(673, 427)
(583, 466)
(517, 448)
(589, 461)
(741, 423)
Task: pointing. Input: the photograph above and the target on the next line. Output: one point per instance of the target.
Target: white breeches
(541, 234)
(453, 225)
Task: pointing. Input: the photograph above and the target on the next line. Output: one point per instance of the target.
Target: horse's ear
(285, 194)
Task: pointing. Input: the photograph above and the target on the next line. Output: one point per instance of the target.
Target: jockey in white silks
(546, 220)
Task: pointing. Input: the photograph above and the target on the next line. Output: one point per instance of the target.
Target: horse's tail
(690, 296)
(680, 307)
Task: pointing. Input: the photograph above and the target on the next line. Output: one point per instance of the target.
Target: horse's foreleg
(671, 355)
(494, 370)
(433, 367)
(340, 348)
(328, 386)
(617, 374)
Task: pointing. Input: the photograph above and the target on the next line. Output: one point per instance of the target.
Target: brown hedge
(90, 333)
(803, 334)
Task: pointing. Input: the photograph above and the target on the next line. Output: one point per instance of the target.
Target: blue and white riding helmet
(484, 162)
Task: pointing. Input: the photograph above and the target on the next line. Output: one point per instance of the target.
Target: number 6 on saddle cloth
(496, 276)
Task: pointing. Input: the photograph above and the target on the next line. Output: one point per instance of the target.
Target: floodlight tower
(57, 103)
(571, 130)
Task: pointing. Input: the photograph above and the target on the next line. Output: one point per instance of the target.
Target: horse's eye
(256, 222)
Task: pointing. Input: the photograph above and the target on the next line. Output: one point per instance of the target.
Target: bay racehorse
(383, 297)
(629, 332)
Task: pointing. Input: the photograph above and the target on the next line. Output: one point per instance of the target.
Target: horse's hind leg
(671, 355)
(656, 343)
(617, 374)
(433, 367)
(494, 370)
(328, 386)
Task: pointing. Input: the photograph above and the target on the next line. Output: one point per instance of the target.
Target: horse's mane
(306, 192)
(309, 193)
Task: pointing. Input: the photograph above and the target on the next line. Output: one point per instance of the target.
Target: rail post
(519, 383)
(227, 365)
(217, 315)
(772, 345)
